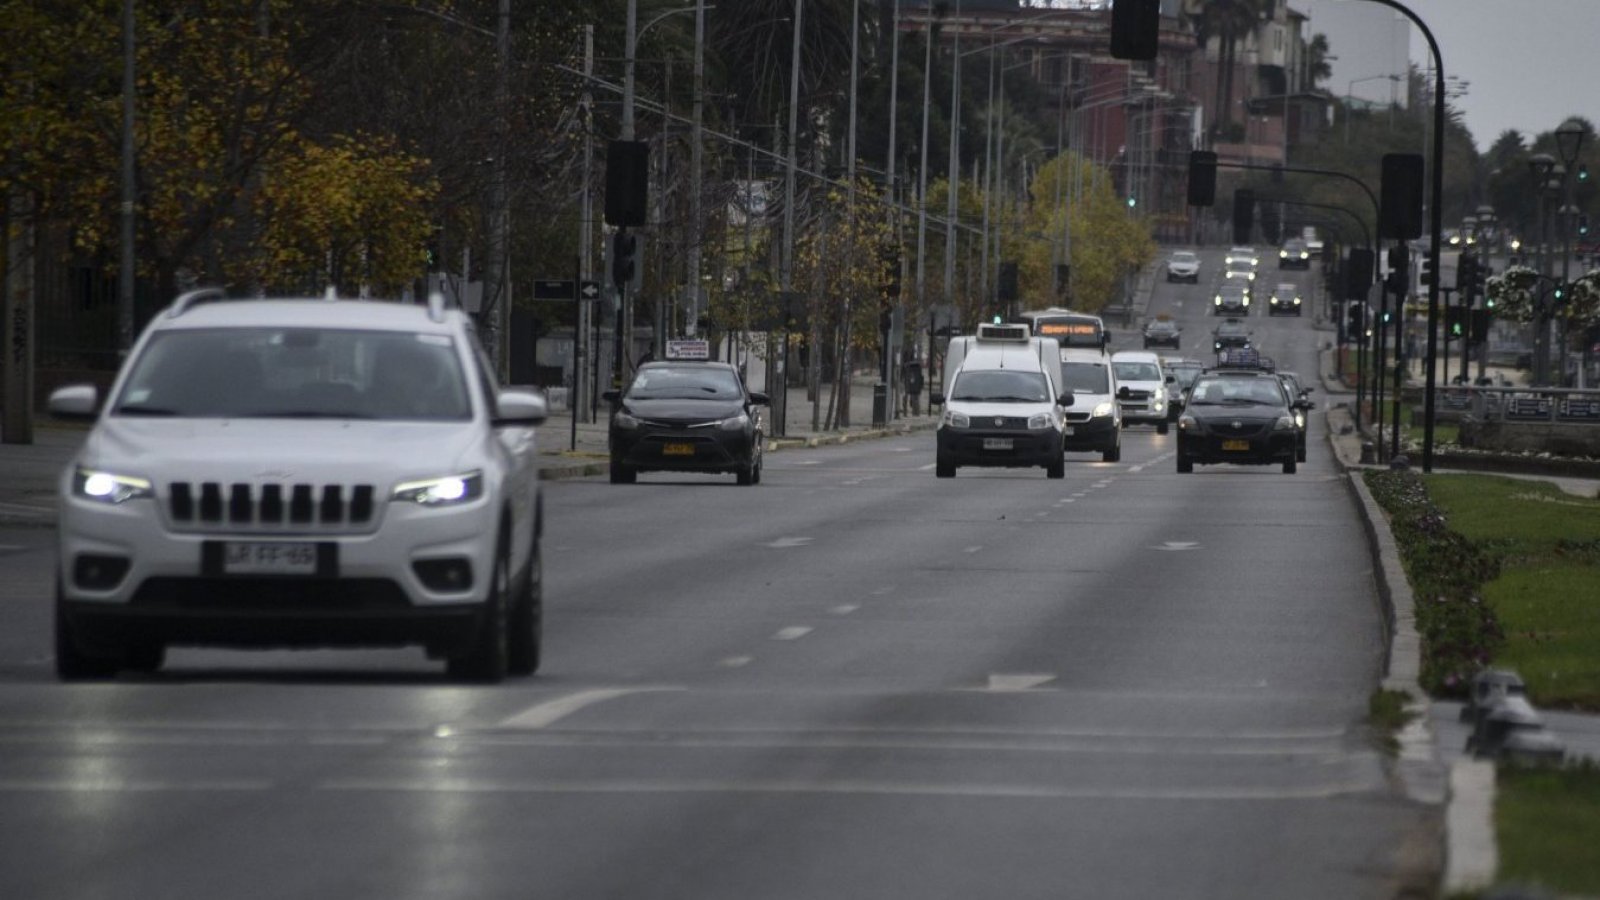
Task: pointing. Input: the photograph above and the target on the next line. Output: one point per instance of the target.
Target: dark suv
(1230, 333)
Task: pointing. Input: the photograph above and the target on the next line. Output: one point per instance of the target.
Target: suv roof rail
(189, 299)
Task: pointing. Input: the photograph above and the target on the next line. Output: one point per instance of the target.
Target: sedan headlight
(735, 423)
(1297, 301)
(1284, 423)
(624, 421)
(1101, 410)
(1300, 420)
(1247, 301)
(445, 491)
(109, 487)
(1218, 301)
(1040, 422)
(955, 419)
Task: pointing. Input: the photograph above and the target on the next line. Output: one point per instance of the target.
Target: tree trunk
(17, 230)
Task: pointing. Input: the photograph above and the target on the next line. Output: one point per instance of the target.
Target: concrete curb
(1418, 767)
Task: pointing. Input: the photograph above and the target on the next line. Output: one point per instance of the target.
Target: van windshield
(1089, 378)
(1001, 386)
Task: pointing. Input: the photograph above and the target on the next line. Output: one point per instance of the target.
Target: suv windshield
(1089, 378)
(1001, 386)
(1137, 371)
(297, 373)
(1184, 376)
(685, 383)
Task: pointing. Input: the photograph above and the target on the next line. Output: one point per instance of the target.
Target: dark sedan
(686, 417)
(1231, 333)
(1162, 333)
(1240, 417)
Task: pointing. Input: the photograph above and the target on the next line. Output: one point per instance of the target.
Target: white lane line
(927, 468)
(785, 543)
(1179, 545)
(844, 609)
(549, 712)
(809, 462)
(886, 589)
(1150, 462)
(932, 789)
(792, 633)
(736, 662)
(1080, 494)
(901, 449)
(127, 786)
(973, 549)
(1009, 683)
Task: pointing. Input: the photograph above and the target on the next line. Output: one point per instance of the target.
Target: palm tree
(1228, 21)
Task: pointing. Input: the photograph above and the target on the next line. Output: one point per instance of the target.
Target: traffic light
(1583, 172)
(1202, 178)
(624, 259)
(1583, 225)
(1006, 290)
(1466, 272)
(1480, 276)
(1355, 321)
(1427, 269)
(1400, 213)
(1244, 203)
(1135, 28)
(627, 183)
(1358, 273)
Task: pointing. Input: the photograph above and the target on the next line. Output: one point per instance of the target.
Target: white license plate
(997, 443)
(269, 558)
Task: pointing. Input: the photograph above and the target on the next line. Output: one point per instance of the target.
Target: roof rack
(189, 299)
(1244, 358)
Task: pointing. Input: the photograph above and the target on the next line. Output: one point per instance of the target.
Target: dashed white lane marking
(1080, 495)
(543, 714)
(927, 468)
(973, 549)
(844, 609)
(127, 785)
(1005, 683)
(809, 462)
(1148, 463)
(886, 589)
(736, 662)
(792, 633)
(901, 449)
(1179, 545)
(784, 543)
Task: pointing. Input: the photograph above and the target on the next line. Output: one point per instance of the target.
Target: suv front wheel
(486, 658)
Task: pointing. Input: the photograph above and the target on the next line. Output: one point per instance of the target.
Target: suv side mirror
(1172, 379)
(762, 399)
(936, 399)
(513, 407)
(1065, 399)
(75, 402)
(611, 396)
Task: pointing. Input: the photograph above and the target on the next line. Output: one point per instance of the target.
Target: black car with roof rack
(1238, 412)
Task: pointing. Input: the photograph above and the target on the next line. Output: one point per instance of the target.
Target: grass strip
(1547, 822)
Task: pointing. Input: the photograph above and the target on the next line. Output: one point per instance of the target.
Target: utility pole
(125, 284)
(497, 290)
(581, 348)
(696, 152)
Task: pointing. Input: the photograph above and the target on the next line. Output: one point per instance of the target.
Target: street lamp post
(1569, 140)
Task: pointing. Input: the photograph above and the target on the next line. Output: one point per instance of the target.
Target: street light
(1349, 97)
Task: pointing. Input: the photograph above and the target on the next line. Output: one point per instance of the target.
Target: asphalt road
(853, 680)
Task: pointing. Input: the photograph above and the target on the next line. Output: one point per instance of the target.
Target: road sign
(562, 289)
(552, 289)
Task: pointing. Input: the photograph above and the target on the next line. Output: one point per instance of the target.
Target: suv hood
(244, 449)
(977, 408)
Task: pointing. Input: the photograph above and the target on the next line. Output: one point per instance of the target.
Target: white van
(1094, 422)
(1003, 402)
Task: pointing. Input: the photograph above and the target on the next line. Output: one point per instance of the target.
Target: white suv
(1141, 388)
(270, 473)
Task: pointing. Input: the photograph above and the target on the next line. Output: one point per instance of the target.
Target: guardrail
(1566, 406)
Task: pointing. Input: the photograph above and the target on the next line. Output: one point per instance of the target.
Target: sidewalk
(28, 491)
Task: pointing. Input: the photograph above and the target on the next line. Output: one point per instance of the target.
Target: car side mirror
(1171, 379)
(75, 402)
(1123, 393)
(611, 396)
(935, 399)
(513, 407)
(1065, 399)
(762, 399)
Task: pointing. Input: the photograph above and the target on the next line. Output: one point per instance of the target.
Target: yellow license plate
(677, 450)
(1236, 445)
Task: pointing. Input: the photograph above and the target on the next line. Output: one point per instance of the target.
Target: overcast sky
(1529, 63)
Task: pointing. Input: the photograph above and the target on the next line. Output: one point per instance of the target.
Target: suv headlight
(956, 419)
(734, 423)
(445, 491)
(1299, 419)
(1158, 402)
(1101, 410)
(1040, 421)
(624, 421)
(109, 487)
(1284, 423)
